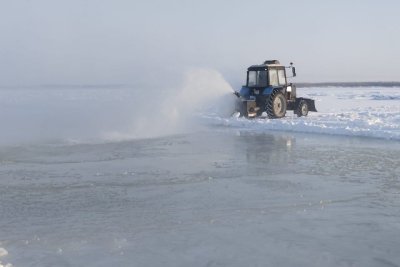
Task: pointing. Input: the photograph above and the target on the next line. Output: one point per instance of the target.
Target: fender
(268, 90)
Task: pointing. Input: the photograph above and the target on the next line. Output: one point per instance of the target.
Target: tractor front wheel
(276, 105)
(302, 109)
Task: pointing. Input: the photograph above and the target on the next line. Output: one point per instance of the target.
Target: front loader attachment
(311, 104)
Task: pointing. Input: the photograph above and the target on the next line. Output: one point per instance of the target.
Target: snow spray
(93, 114)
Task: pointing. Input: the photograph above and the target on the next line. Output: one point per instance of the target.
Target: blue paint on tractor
(247, 92)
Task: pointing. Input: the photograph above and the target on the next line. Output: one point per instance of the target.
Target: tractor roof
(265, 65)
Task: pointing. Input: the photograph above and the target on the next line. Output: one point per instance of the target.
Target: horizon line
(122, 85)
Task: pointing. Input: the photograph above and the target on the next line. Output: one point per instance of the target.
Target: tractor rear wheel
(302, 109)
(276, 105)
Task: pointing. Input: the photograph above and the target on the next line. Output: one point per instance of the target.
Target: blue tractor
(267, 90)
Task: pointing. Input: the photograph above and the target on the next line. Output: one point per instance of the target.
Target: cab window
(281, 77)
(273, 77)
(257, 78)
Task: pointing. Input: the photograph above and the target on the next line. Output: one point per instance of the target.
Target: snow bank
(365, 112)
(3, 253)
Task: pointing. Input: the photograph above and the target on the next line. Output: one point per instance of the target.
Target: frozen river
(213, 198)
(317, 191)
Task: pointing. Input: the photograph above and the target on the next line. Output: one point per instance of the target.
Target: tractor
(267, 90)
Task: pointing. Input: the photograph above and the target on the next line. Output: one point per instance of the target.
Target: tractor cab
(266, 75)
(263, 79)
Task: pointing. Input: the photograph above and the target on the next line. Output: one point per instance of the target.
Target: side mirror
(293, 69)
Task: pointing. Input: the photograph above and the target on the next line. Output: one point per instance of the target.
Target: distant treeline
(350, 84)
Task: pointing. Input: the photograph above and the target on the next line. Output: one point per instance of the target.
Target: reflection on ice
(268, 149)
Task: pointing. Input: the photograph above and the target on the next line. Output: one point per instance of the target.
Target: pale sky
(148, 42)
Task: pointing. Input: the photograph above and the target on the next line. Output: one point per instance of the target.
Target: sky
(153, 42)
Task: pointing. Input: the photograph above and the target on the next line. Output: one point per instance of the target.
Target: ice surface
(293, 192)
(219, 197)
